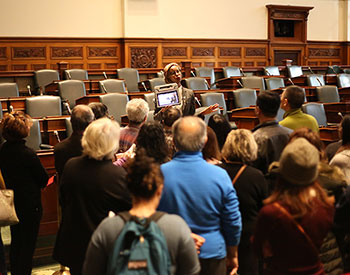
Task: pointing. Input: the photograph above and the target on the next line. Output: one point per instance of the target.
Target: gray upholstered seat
(149, 98)
(9, 90)
(315, 80)
(76, 74)
(196, 83)
(131, 77)
(150, 116)
(112, 86)
(271, 70)
(274, 83)
(206, 72)
(327, 94)
(116, 104)
(160, 74)
(244, 97)
(71, 90)
(231, 71)
(343, 80)
(69, 129)
(41, 106)
(208, 99)
(45, 77)
(253, 82)
(317, 111)
(280, 114)
(294, 71)
(156, 82)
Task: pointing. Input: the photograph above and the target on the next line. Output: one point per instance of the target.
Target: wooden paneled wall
(18, 54)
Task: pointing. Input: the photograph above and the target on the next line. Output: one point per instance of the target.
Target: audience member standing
(137, 110)
(91, 186)
(202, 194)
(239, 151)
(221, 127)
(270, 136)
(292, 99)
(169, 118)
(211, 152)
(24, 173)
(297, 216)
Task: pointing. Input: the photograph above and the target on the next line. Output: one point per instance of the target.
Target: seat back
(41, 106)
(150, 116)
(328, 94)
(244, 97)
(150, 99)
(343, 80)
(335, 69)
(1, 112)
(160, 74)
(76, 74)
(112, 86)
(271, 70)
(253, 82)
(280, 114)
(206, 72)
(315, 80)
(196, 83)
(156, 82)
(9, 90)
(71, 90)
(45, 77)
(131, 77)
(317, 111)
(33, 140)
(294, 71)
(116, 104)
(274, 83)
(231, 71)
(208, 99)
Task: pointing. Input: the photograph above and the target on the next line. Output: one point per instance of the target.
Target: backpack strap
(156, 216)
(239, 173)
(125, 215)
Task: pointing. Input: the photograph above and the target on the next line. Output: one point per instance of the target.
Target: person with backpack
(142, 241)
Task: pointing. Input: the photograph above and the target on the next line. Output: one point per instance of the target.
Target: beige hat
(299, 162)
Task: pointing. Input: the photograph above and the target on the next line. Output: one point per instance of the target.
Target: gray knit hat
(299, 162)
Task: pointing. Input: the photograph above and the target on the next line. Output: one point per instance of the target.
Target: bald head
(81, 117)
(190, 134)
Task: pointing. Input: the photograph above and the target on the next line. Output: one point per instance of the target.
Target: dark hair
(221, 127)
(345, 124)
(99, 109)
(269, 103)
(211, 147)
(16, 126)
(144, 175)
(81, 117)
(170, 116)
(295, 96)
(151, 137)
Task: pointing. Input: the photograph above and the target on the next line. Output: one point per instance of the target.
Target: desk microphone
(341, 115)
(103, 88)
(319, 81)
(192, 73)
(57, 135)
(241, 70)
(267, 72)
(310, 70)
(105, 75)
(41, 91)
(69, 75)
(29, 91)
(240, 83)
(66, 104)
(290, 80)
(197, 101)
(206, 83)
(144, 86)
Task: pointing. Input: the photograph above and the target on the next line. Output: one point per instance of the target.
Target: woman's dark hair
(16, 126)
(345, 124)
(151, 137)
(99, 109)
(144, 175)
(211, 147)
(221, 127)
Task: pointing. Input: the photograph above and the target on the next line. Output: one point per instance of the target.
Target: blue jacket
(203, 195)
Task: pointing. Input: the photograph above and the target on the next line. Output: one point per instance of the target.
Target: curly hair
(16, 126)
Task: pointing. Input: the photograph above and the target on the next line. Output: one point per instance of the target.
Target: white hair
(101, 139)
(137, 109)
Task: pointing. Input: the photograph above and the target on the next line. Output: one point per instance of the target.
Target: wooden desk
(52, 88)
(329, 134)
(330, 79)
(244, 118)
(95, 97)
(344, 94)
(49, 125)
(299, 80)
(332, 110)
(229, 83)
(228, 96)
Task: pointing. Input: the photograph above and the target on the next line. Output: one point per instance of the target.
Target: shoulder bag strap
(239, 173)
(125, 215)
(2, 182)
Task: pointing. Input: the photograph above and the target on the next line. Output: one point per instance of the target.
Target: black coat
(89, 190)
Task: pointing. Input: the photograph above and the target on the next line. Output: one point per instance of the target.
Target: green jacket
(295, 119)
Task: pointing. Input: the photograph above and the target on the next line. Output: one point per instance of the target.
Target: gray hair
(240, 145)
(189, 133)
(101, 139)
(81, 117)
(137, 109)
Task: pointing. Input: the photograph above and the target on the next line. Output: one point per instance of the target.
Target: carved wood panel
(19, 67)
(323, 53)
(209, 64)
(102, 52)
(37, 67)
(230, 52)
(223, 64)
(67, 52)
(94, 66)
(174, 52)
(143, 57)
(3, 52)
(28, 52)
(3, 67)
(203, 51)
(261, 52)
(111, 65)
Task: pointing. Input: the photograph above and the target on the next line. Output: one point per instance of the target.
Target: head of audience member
(101, 139)
(267, 105)
(172, 73)
(189, 134)
(144, 179)
(99, 109)
(170, 116)
(81, 117)
(137, 110)
(240, 146)
(151, 138)
(345, 130)
(211, 151)
(292, 98)
(221, 127)
(16, 126)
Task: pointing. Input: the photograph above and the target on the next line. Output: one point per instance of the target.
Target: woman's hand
(198, 240)
(211, 109)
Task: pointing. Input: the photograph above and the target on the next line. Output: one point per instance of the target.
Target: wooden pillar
(186, 68)
(62, 66)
